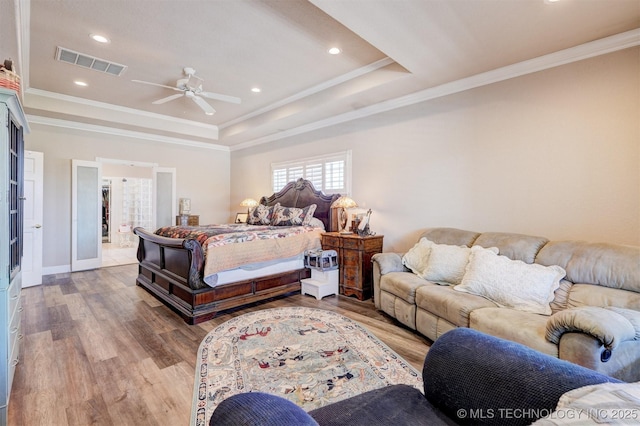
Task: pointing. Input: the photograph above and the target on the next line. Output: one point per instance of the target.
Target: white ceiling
(394, 52)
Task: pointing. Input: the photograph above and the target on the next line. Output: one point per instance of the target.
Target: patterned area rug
(309, 356)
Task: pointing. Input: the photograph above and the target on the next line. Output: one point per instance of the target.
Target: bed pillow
(292, 216)
(511, 283)
(261, 214)
(316, 223)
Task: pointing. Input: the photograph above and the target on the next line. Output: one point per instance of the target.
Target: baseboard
(52, 270)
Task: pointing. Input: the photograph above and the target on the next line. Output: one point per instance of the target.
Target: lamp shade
(345, 203)
(249, 202)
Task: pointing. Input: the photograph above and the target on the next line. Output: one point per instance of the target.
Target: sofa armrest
(384, 263)
(611, 326)
(585, 350)
(389, 262)
(475, 378)
(259, 409)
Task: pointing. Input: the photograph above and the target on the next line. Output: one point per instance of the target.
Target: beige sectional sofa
(592, 317)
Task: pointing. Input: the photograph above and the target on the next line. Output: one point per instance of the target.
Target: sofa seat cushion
(522, 327)
(451, 305)
(595, 295)
(403, 285)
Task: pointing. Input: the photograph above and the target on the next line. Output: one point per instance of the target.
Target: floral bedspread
(259, 244)
(202, 233)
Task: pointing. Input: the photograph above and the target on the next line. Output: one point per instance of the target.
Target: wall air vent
(88, 61)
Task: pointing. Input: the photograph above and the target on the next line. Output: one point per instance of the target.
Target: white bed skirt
(240, 274)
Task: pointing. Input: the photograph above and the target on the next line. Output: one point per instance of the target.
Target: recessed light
(256, 90)
(334, 50)
(99, 38)
(80, 83)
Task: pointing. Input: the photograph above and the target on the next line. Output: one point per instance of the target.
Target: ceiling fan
(191, 87)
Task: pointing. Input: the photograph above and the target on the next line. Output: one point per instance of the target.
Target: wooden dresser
(354, 261)
(12, 124)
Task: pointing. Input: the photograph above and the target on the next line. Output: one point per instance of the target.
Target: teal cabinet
(12, 126)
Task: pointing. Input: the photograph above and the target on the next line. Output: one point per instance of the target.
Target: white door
(164, 196)
(32, 206)
(86, 215)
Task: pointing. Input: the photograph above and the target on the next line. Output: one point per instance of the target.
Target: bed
(173, 269)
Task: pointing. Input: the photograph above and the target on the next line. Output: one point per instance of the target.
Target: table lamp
(248, 203)
(344, 203)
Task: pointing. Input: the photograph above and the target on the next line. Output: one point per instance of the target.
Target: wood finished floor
(98, 350)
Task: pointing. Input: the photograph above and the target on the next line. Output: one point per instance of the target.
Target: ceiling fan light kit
(191, 87)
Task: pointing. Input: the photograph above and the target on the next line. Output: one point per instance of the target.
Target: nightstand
(354, 261)
(192, 220)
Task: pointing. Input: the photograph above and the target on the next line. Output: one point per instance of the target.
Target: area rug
(310, 356)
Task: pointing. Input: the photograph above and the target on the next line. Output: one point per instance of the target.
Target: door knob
(37, 226)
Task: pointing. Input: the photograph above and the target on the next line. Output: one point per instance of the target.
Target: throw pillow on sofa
(604, 403)
(416, 258)
(439, 263)
(511, 283)
(447, 263)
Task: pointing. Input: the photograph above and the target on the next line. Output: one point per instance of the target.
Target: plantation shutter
(327, 173)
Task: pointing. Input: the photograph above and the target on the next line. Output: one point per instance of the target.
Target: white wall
(555, 153)
(201, 174)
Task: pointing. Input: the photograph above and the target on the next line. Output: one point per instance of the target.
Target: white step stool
(321, 283)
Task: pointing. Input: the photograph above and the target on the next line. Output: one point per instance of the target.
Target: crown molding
(74, 125)
(381, 63)
(117, 108)
(573, 54)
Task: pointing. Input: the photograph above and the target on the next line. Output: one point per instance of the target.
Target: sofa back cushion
(603, 264)
(451, 236)
(595, 295)
(514, 246)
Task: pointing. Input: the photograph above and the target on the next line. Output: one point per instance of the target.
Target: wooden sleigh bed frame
(172, 269)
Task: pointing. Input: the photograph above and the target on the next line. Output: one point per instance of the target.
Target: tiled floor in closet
(114, 254)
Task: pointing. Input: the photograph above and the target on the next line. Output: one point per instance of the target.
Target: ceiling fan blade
(218, 96)
(158, 85)
(208, 109)
(167, 99)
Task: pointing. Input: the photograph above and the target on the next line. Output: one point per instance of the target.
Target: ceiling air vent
(88, 61)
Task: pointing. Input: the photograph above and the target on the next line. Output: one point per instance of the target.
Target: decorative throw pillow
(439, 263)
(261, 214)
(511, 283)
(416, 258)
(292, 216)
(603, 403)
(447, 263)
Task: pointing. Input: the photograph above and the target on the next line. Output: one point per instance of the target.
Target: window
(329, 173)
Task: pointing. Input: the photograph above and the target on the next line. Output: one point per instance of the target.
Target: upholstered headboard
(300, 194)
